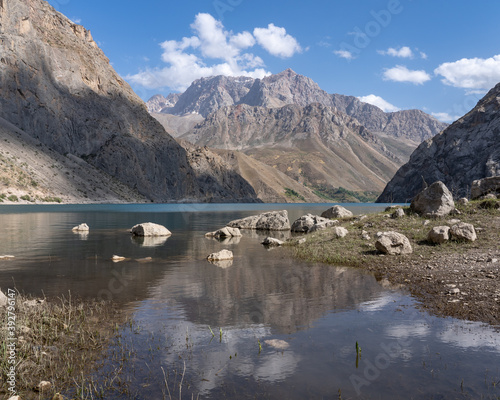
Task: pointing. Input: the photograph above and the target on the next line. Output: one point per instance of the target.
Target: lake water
(176, 298)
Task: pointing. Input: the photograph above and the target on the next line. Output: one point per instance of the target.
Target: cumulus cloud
(344, 54)
(276, 41)
(471, 73)
(403, 52)
(214, 51)
(402, 74)
(379, 102)
(445, 117)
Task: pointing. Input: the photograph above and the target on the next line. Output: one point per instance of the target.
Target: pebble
(454, 291)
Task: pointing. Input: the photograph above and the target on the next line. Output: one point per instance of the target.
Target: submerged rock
(226, 232)
(393, 243)
(150, 229)
(221, 256)
(81, 228)
(269, 241)
(272, 221)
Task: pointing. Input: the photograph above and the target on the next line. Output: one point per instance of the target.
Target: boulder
(398, 213)
(269, 241)
(439, 234)
(43, 386)
(393, 243)
(310, 223)
(463, 231)
(221, 256)
(226, 232)
(81, 228)
(391, 208)
(271, 221)
(463, 201)
(434, 201)
(150, 229)
(340, 232)
(485, 186)
(336, 212)
(3, 299)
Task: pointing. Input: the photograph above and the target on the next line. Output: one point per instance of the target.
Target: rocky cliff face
(159, 103)
(467, 150)
(414, 125)
(57, 86)
(315, 144)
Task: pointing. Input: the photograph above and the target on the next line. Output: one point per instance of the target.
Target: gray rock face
(310, 223)
(434, 201)
(58, 87)
(466, 151)
(272, 221)
(463, 231)
(439, 234)
(150, 229)
(337, 212)
(162, 104)
(393, 243)
(221, 256)
(485, 186)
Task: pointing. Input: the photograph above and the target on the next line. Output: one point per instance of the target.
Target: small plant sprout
(211, 331)
(260, 346)
(358, 349)
(220, 333)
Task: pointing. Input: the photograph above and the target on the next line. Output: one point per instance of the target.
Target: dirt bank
(457, 279)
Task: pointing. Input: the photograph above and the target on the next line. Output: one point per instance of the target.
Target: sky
(435, 55)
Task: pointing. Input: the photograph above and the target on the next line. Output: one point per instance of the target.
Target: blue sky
(435, 55)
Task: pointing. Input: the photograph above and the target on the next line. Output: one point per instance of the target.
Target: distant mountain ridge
(207, 95)
(467, 150)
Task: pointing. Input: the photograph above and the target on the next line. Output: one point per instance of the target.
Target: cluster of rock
(459, 232)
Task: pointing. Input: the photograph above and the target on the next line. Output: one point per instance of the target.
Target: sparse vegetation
(293, 195)
(13, 198)
(341, 195)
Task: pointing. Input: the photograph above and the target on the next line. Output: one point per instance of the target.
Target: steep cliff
(467, 150)
(57, 86)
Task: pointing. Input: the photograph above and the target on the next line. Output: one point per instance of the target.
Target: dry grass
(57, 341)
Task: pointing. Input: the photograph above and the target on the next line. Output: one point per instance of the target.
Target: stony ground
(457, 279)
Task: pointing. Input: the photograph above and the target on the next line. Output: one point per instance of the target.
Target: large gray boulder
(463, 231)
(393, 243)
(150, 229)
(434, 201)
(271, 221)
(439, 234)
(485, 186)
(337, 212)
(311, 223)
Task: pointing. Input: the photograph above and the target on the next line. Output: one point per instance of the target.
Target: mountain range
(286, 121)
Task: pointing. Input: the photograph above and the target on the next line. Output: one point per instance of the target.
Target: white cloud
(402, 74)
(423, 55)
(471, 73)
(276, 41)
(344, 54)
(379, 102)
(445, 117)
(403, 52)
(214, 51)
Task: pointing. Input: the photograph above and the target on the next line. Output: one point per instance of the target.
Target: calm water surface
(176, 298)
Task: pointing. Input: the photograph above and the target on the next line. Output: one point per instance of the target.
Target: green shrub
(12, 198)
